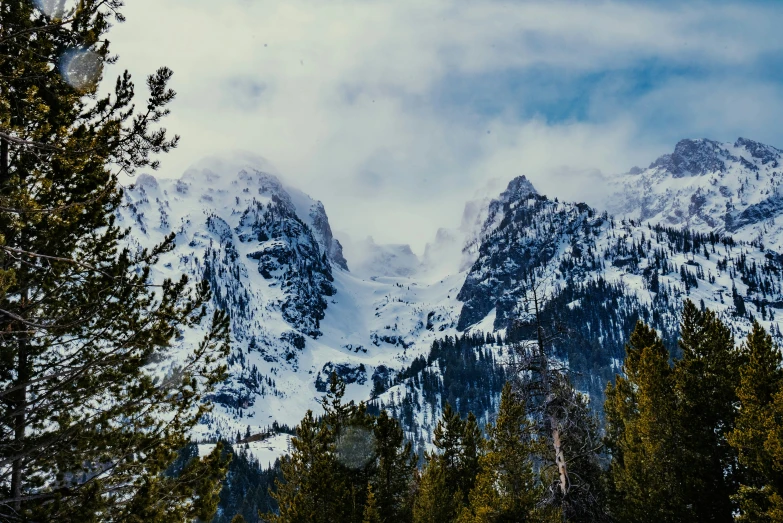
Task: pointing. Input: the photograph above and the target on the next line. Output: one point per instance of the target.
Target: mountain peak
(251, 174)
(694, 158)
(518, 189)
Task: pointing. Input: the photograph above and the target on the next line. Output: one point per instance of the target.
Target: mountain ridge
(298, 313)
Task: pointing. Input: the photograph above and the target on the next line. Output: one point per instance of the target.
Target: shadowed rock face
(331, 246)
(523, 232)
(766, 153)
(518, 189)
(270, 185)
(769, 208)
(694, 158)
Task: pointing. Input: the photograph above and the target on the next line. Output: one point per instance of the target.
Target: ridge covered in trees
(694, 438)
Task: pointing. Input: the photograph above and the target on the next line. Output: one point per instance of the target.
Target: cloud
(392, 112)
(244, 92)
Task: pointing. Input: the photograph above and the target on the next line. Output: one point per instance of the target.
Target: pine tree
(642, 435)
(757, 433)
(705, 379)
(313, 488)
(739, 302)
(450, 473)
(435, 502)
(506, 489)
(471, 444)
(309, 492)
(338, 460)
(393, 481)
(86, 427)
(355, 452)
(447, 438)
(371, 513)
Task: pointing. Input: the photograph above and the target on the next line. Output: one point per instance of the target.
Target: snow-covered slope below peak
(372, 328)
(297, 314)
(708, 186)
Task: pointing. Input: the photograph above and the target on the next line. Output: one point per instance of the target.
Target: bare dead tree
(559, 413)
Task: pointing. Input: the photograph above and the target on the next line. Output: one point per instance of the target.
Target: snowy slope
(297, 312)
(708, 186)
(599, 276)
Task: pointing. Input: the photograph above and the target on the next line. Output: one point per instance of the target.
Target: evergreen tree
(355, 452)
(506, 489)
(393, 481)
(338, 460)
(757, 433)
(313, 488)
(449, 474)
(309, 492)
(739, 302)
(645, 473)
(471, 444)
(371, 513)
(705, 379)
(435, 502)
(245, 491)
(86, 427)
(447, 438)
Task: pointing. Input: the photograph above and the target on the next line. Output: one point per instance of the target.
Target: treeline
(698, 438)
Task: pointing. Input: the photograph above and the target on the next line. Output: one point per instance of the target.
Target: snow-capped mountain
(297, 312)
(597, 276)
(413, 333)
(708, 186)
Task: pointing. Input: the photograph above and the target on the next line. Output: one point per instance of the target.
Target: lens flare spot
(355, 446)
(81, 69)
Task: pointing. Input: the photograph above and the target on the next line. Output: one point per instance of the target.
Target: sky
(393, 113)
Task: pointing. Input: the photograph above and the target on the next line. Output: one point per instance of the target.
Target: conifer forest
(189, 335)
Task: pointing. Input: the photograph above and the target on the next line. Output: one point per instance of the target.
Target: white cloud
(339, 94)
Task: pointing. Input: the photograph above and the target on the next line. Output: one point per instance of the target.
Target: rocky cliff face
(523, 231)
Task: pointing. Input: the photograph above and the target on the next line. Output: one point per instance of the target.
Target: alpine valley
(408, 334)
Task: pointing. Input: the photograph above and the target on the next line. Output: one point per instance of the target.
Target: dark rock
(347, 373)
(694, 158)
(765, 153)
(769, 208)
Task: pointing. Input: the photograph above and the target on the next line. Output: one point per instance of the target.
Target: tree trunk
(560, 461)
(559, 457)
(3, 161)
(20, 408)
